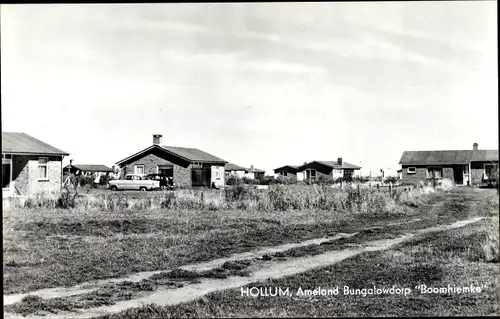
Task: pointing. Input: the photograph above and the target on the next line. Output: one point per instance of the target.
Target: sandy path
(267, 270)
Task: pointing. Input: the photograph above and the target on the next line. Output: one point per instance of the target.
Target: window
(42, 168)
(139, 169)
(196, 164)
(412, 170)
(310, 174)
(6, 156)
(6, 173)
(434, 172)
(283, 173)
(490, 171)
(227, 173)
(217, 176)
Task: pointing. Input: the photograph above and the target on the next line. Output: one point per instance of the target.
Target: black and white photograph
(250, 159)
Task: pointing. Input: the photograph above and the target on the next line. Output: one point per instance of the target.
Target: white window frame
(486, 177)
(136, 167)
(217, 174)
(411, 170)
(46, 178)
(6, 160)
(197, 164)
(310, 173)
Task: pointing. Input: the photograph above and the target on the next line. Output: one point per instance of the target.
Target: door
(466, 174)
(201, 176)
(458, 174)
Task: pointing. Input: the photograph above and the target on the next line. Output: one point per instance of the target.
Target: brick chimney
(70, 162)
(157, 138)
(475, 146)
(251, 168)
(305, 163)
(339, 161)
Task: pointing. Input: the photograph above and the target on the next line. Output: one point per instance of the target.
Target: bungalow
(463, 167)
(30, 166)
(234, 170)
(290, 171)
(334, 169)
(255, 173)
(87, 169)
(187, 166)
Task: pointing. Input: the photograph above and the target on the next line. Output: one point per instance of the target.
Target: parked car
(165, 182)
(134, 182)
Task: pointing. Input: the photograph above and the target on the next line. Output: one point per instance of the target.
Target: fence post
(378, 188)
(390, 190)
(202, 197)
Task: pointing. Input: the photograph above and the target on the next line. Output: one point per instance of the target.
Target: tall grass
(241, 196)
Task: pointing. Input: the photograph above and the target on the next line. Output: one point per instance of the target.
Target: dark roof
(295, 167)
(334, 165)
(447, 157)
(188, 154)
(255, 170)
(193, 154)
(91, 167)
(234, 167)
(23, 143)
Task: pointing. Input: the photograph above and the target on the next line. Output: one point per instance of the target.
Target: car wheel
(114, 188)
(143, 189)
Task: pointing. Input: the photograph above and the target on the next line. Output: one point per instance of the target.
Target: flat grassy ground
(458, 258)
(56, 247)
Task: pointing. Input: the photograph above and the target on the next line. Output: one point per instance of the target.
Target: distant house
(234, 170)
(87, 169)
(187, 166)
(334, 169)
(254, 173)
(463, 167)
(30, 166)
(290, 171)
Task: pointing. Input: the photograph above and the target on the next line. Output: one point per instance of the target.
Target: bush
(67, 198)
(268, 180)
(391, 179)
(250, 181)
(284, 180)
(233, 180)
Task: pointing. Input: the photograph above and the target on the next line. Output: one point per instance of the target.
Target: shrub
(67, 198)
(250, 181)
(268, 180)
(233, 180)
(391, 179)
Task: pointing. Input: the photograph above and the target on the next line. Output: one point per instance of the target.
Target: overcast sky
(263, 84)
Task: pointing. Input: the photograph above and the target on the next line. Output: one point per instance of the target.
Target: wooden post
(378, 187)
(202, 197)
(390, 190)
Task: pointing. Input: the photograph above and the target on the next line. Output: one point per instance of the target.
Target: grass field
(456, 258)
(47, 247)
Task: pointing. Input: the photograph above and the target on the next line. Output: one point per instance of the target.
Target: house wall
(421, 174)
(239, 174)
(250, 175)
(25, 175)
(477, 172)
(289, 172)
(151, 160)
(218, 179)
(320, 169)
